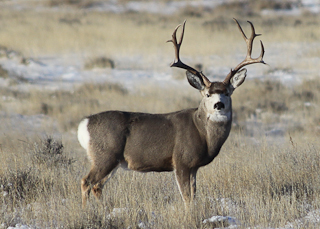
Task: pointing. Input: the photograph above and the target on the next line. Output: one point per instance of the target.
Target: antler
(178, 63)
(248, 60)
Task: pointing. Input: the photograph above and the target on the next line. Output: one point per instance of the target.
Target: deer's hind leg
(97, 188)
(98, 175)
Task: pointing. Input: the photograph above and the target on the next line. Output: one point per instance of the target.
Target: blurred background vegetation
(267, 174)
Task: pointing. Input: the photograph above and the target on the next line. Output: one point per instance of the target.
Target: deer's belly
(147, 162)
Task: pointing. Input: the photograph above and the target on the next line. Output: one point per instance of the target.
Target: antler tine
(176, 44)
(249, 41)
(239, 27)
(262, 53)
(177, 62)
(248, 60)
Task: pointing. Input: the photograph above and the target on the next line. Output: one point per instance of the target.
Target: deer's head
(217, 95)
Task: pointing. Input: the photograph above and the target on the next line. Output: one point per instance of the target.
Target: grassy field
(98, 33)
(259, 183)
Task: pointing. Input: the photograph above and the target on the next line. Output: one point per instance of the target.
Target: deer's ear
(238, 78)
(195, 81)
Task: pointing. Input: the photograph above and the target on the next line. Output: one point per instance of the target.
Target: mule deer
(181, 141)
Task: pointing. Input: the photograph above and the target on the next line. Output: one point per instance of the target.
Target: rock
(221, 221)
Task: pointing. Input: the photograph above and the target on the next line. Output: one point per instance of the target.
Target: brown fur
(181, 141)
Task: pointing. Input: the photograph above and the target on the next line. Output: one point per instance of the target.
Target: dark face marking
(218, 88)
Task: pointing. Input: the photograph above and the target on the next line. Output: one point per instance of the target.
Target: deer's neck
(215, 128)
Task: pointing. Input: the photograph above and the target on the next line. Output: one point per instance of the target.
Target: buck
(182, 141)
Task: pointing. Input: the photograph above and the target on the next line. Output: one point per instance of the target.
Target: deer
(181, 141)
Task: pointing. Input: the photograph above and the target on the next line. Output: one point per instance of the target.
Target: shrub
(99, 62)
(50, 153)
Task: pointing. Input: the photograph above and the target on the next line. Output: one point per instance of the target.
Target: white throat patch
(219, 116)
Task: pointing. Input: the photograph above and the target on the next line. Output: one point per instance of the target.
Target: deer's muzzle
(219, 106)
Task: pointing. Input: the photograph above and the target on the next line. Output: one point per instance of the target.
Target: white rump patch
(83, 134)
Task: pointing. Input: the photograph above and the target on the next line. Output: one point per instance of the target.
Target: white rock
(221, 221)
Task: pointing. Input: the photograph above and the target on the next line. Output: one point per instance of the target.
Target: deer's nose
(218, 106)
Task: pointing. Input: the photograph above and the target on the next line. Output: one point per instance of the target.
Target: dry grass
(260, 184)
(68, 107)
(272, 102)
(263, 185)
(266, 101)
(59, 32)
(98, 34)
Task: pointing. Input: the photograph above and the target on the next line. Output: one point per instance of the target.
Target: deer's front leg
(183, 181)
(193, 182)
